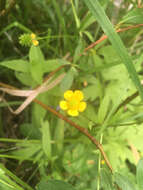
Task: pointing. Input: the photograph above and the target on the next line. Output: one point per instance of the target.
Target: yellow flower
(102, 162)
(34, 41)
(28, 39)
(73, 103)
(33, 36)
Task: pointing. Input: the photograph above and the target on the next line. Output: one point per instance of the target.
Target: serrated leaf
(91, 113)
(54, 185)
(123, 182)
(140, 174)
(117, 72)
(106, 179)
(92, 92)
(135, 135)
(16, 65)
(109, 54)
(78, 159)
(99, 13)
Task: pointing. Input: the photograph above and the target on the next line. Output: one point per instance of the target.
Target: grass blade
(98, 12)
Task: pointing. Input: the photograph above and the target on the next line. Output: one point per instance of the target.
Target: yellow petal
(33, 36)
(78, 95)
(68, 94)
(35, 42)
(63, 105)
(102, 162)
(73, 113)
(82, 106)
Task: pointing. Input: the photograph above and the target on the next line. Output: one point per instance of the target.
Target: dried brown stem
(79, 128)
(105, 37)
(140, 4)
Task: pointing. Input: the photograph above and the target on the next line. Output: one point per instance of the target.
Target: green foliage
(96, 9)
(106, 179)
(134, 16)
(46, 139)
(123, 182)
(16, 65)
(37, 149)
(68, 79)
(7, 183)
(36, 64)
(140, 174)
(54, 184)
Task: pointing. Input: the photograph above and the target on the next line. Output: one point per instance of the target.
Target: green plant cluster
(42, 151)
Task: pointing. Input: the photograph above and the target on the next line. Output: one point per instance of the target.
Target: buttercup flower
(73, 103)
(28, 39)
(33, 36)
(34, 41)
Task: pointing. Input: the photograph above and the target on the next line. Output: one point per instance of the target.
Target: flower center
(73, 104)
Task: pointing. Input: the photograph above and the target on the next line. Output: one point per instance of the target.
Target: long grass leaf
(97, 11)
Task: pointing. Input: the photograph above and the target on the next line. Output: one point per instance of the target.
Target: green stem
(15, 24)
(18, 140)
(99, 165)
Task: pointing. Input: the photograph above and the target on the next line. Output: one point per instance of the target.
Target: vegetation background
(92, 46)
